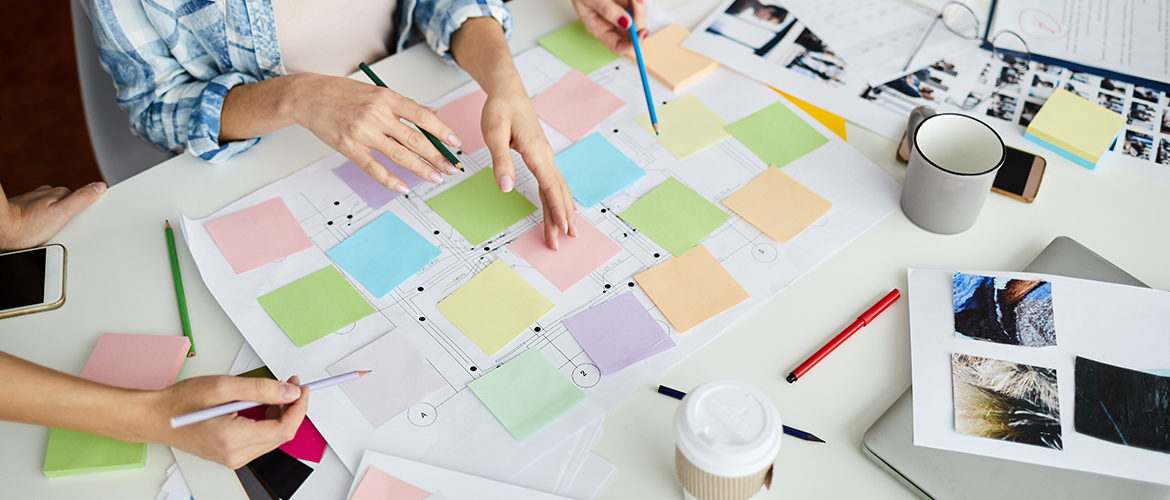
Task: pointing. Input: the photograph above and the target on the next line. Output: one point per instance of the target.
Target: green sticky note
(577, 48)
(315, 306)
(72, 452)
(675, 216)
(262, 372)
(494, 306)
(686, 126)
(526, 393)
(777, 135)
(478, 209)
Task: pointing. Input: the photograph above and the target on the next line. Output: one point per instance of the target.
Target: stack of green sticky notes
(1075, 128)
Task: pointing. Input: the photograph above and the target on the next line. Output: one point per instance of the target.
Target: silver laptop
(949, 475)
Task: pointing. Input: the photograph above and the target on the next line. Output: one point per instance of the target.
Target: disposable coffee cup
(727, 435)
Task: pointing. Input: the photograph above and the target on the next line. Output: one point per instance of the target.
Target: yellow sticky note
(691, 288)
(777, 205)
(687, 126)
(1074, 127)
(670, 64)
(834, 123)
(493, 307)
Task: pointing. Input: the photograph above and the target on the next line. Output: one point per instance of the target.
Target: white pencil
(229, 408)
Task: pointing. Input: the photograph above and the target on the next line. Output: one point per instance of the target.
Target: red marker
(866, 318)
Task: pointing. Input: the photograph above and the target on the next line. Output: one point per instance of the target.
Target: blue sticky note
(384, 254)
(595, 170)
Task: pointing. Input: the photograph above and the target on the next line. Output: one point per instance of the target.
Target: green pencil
(179, 290)
(434, 141)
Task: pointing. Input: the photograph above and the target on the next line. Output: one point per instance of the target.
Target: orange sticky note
(691, 288)
(777, 205)
(258, 235)
(463, 116)
(670, 64)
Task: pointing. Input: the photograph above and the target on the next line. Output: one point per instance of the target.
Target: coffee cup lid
(728, 428)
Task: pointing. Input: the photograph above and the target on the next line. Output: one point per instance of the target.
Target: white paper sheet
(560, 470)
(454, 485)
(1115, 324)
(463, 432)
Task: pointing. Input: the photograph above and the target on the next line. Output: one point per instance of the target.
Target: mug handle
(916, 117)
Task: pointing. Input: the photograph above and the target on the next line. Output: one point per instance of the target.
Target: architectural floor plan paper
(452, 428)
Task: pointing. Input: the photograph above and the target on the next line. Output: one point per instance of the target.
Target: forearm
(256, 109)
(34, 394)
(481, 49)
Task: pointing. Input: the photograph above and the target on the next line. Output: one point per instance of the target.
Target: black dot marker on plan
(420, 288)
(791, 431)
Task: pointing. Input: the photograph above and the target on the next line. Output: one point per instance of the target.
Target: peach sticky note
(378, 485)
(258, 235)
(463, 116)
(691, 288)
(576, 105)
(573, 261)
(670, 64)
(777, 205)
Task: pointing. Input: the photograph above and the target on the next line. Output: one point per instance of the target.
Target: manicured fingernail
(290, 391)
(506, 183)
(643, 34)
(624, 22)
(454, 140)
(401, 188)
(100, 187)
(449, 168)
(435, 177)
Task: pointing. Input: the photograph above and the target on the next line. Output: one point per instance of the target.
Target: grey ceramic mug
(953, 162)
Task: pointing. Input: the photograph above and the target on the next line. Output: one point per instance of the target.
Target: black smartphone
(1019, 177)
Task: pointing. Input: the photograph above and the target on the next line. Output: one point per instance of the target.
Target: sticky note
(573, 261)
(144, 362)
(577, 48)
(595, 170)
(308, 444)
(526, 394)
(478, 209)
(494, 306)
(384, 254)
(575, 105)
(378, 485)
(834, 123)
(1075, 127)
(618, 333)
(691, 288)
(777, 205)
(674, 216)
(686, 126)
(280, 473)
(463, 116)
(777, 135)
(400, 377)
(257, 235)
(670, 64)
(315, 306)
(373, 193)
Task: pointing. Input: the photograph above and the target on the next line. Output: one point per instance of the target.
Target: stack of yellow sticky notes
(1075, 128)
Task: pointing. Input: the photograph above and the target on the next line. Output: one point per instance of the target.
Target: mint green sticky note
(674, 216)
(315, 306)
(478, 209)
(526, 393)
(777, 135)
(577, 48)
(72, 452)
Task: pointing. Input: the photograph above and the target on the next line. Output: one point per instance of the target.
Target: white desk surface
(119, 280)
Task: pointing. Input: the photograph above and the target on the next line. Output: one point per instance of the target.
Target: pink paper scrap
(575, 105)
(308, 444)
(576, 258)
(463, 116)
(143, 362)
(258, 235)
(378, 485)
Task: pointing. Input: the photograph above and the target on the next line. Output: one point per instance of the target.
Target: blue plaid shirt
(173, 61)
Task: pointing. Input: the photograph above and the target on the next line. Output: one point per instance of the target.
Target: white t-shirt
(332, 37)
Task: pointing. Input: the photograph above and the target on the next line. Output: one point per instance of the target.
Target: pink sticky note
(144, 362)
(258, 235)
(308, 444)
(576, 258)
(463, 116)
(378, 485)
(576, 105)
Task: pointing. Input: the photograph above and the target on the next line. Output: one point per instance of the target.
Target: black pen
(791, 431)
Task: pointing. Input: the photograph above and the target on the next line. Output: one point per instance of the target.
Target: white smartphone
(32, 280)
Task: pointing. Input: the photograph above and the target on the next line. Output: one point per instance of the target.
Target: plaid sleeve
(439, 19)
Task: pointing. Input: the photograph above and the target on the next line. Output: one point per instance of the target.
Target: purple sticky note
(618, 333)
(375, 195)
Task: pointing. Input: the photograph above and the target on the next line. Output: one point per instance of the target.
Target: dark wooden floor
(43, 139)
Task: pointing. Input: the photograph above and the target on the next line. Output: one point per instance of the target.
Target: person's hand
(356, 118)
(509, 122)
(230, 440)
(33, 218)
(608, 21)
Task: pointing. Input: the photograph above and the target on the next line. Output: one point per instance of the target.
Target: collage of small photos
(1017, 402)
